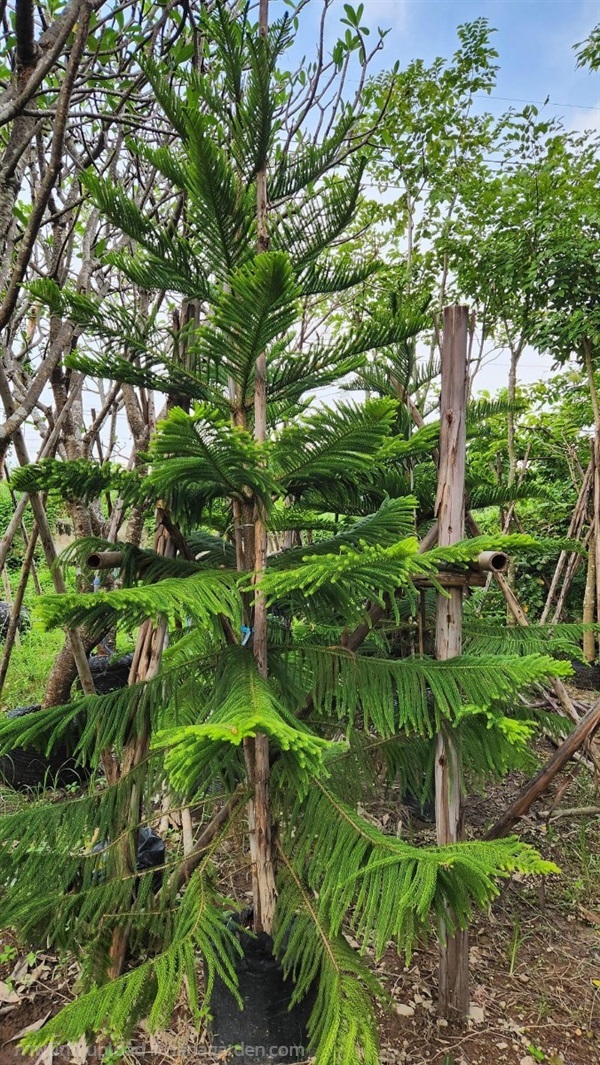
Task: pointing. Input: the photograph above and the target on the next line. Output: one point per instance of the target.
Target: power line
(541, 103)
(518, 99)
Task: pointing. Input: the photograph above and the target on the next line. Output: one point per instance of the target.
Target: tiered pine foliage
(344, 488)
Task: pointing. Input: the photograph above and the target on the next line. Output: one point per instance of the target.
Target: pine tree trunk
(453, 992)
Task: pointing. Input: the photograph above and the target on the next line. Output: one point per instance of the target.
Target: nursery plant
(270, 705)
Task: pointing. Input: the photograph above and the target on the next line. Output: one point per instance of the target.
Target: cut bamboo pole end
(492, 562)
(105, 560)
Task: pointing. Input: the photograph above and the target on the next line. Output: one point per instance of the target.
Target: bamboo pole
(453, 992)
(589, 366)
(575, 526)
(595, 540)
(589, 602)
(492, 562)
(104, 560)
(572, 567)
(24, 533)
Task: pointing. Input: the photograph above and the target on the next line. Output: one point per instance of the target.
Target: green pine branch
(416, 694)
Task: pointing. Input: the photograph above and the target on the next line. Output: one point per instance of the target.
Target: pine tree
(297, 728)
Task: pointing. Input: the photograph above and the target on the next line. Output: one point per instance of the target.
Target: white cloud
(583, 119)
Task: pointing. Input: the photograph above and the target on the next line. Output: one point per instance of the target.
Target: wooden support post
(453, 997)
(257, 751)
(595, 524)
(589, 602)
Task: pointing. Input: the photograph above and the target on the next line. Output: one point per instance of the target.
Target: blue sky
(534, 39)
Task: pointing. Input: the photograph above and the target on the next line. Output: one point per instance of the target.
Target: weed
(111, 1055)
(8, 953)
(544, 1006)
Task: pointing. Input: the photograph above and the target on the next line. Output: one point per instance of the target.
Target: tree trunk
(22, 131)
(74, 637)
(453, 995)
(515, 355)
(15, 612)
(42, 194)
(145, 666)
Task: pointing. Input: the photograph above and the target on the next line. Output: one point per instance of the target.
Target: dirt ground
(533, 960)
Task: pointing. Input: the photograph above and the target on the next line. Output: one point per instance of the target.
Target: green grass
(30, 665)
(33, 657)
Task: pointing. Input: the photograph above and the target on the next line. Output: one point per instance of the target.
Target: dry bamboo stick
(540, 782)
(575, 527)
(572, 567)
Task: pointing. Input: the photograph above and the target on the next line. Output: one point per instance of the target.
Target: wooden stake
(257, 752)
(589, 602)
(453, 998)
(595, 539)
(589, 365)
